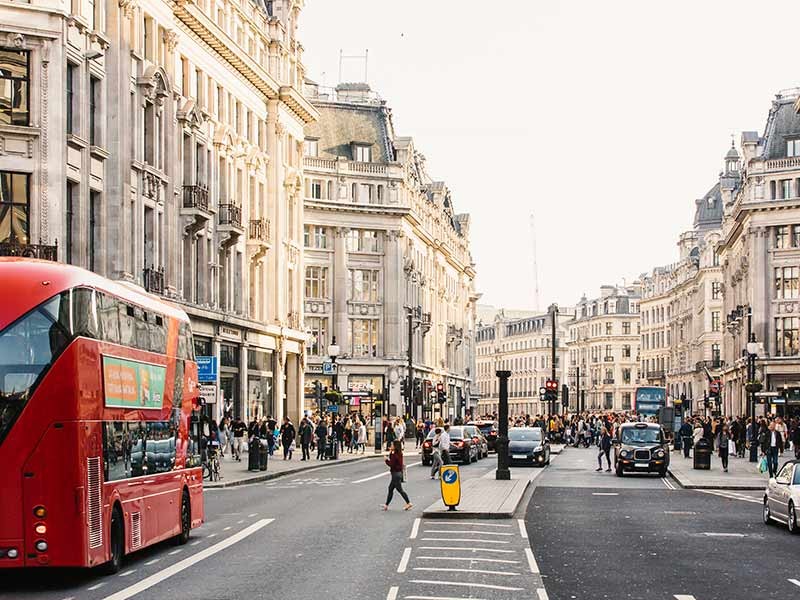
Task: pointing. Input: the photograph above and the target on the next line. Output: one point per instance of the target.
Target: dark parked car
(528, 445)
(461, 447)
(641, 448)
(478, 439)
(489, 430)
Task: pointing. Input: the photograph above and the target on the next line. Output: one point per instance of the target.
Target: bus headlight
(41, 546)
(40, 512)
(40, 528)
(12, 553)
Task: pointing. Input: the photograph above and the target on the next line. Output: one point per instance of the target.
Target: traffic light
(403, 390)
(417, 391)
(441, 395)
(565, 396)
(551, 390)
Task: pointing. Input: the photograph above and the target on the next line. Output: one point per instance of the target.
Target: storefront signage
(132, 384)
(229, 332)
(206, 368)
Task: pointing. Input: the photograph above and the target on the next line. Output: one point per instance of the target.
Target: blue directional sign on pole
(206, 368)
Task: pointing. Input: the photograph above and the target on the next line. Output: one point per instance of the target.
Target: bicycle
(211, 467)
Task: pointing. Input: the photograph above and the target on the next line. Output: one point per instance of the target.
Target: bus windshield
(650, 399)
(27, 349)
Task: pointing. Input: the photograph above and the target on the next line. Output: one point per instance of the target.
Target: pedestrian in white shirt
(444, 445)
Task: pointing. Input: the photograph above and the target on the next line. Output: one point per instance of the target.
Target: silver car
(782, 496)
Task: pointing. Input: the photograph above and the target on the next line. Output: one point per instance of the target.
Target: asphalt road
(597, 536)
(320, 534)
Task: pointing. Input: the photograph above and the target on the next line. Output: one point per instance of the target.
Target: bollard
(501, 446)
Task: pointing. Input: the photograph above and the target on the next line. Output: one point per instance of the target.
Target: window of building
(786, 188)
(363, 285)
(796, 235)
(94, 223)
(715, 354)
(787, 337)
(362, 153)
(94, 102)
(315, 236)
(715, 320)
(14, 207)
(793, 147)
(71, 194)
(608, 400)
(626, 327)
(786, 283)
(716, 288)
(72, 73)
(781, 237)
(363, 337)
(626, 375)
(609, 328)
(626, 351)
(316, 189)
(318, 344)
(316, 282)
(363, 240)
(311, 147)
(626, 401)
(14, 87)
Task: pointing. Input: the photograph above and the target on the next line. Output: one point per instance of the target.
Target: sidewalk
(741, 475)
(235, 473)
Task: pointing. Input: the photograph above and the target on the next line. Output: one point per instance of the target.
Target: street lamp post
(333, 354)
(501, 445)
(752, 354)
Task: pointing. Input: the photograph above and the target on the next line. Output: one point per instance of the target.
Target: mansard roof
(342, 124)
(783, 122)
(708, 211)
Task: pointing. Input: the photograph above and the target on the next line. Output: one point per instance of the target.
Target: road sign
(206, 368)
(328, 367)
(332, 408)
(208, 394)
(450, 483)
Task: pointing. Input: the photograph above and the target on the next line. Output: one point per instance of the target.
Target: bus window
(84, 313)
(27, 349)
(160, 446)
(177, 392)
(185, 343)
(142, 341)
(116, 451)
(157, 334)
(108, 315)
(127, 328)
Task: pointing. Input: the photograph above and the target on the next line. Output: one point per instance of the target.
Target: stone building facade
(382, 237)
(160, 143)
(604, 343)
(760, 256)
(681, 308)
(524, 347)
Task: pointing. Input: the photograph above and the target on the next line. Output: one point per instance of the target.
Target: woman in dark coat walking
(288, 434)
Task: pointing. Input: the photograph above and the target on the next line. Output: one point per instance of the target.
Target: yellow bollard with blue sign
(450, 482)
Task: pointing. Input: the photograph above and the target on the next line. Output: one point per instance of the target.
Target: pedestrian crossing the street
(459, 560)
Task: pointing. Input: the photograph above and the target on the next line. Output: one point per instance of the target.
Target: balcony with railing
(195, 197)
(40, 250)
(260, 231)
(230, 215)
(153, 279)
(608, 358)
(709, 364)
(655, 374)
(608, 381)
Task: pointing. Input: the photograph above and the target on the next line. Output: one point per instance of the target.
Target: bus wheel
(186, 519)
(117, 543)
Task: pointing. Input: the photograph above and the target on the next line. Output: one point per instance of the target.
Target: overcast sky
(605, 119)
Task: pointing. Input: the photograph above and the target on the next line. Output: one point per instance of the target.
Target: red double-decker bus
(98, 444)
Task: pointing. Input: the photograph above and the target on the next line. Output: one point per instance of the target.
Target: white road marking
(97, 585)
(470, 585)
(392, 595)
(532, 561)
(721, 534)
(467, 531)
(667, 483)
(542, 593)
(240, 521)
(401, 568)
(126, 573)
(415, 529)
(605, 494)
(795, 581)
(468, 549)
(227, 528)
(730, 496)
(195, 543)
(439, 598)
(460, 523)
(522, 529)
(470, 558)
(679, 512)
(684, 597)
(451, 570)
(251, 515)
(464, 540)
(174, 552)
(187, 562)
(384, 474)
(151, 562)
(212, 535)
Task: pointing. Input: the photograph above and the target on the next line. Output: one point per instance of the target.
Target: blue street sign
(206, 368)
(450, 476)
(332, 408)
(328, 368)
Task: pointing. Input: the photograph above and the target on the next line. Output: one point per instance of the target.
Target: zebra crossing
(460, 560)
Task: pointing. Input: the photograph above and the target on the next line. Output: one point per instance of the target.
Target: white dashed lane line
(126, 573)
(522, 529)
(795, 582)
(401, 568)
(414, 529)
(392, 595)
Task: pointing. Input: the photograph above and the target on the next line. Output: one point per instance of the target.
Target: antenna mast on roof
(363, 57)
(535, 265)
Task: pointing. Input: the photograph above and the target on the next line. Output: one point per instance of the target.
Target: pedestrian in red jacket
(395, 464)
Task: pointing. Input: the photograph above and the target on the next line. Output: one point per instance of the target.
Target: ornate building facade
(604, 343)
(160, 143)
(382, 241)
(760, 257)
(524, 347)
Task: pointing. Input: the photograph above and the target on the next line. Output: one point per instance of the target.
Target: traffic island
(741, 475)
(484, 499)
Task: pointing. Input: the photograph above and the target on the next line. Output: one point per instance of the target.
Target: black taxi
(641, 448)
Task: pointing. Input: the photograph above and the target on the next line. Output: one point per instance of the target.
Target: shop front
(363, 391)
(313, 376)
(260, 383)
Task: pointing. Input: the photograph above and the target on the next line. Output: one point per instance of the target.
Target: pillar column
(392, 302)
(340, 293)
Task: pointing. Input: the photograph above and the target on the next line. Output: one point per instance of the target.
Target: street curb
(702, 486)
(268, 476)
(458, 514)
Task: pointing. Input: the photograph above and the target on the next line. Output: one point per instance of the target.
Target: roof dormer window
(362, 153)
(311, 147)
(793, 147)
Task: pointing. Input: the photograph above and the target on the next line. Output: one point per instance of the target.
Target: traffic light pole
(578, 390)
(501, 445)
(409, 399)
(554, 312)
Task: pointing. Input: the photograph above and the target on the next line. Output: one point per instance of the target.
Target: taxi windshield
(635, 435)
